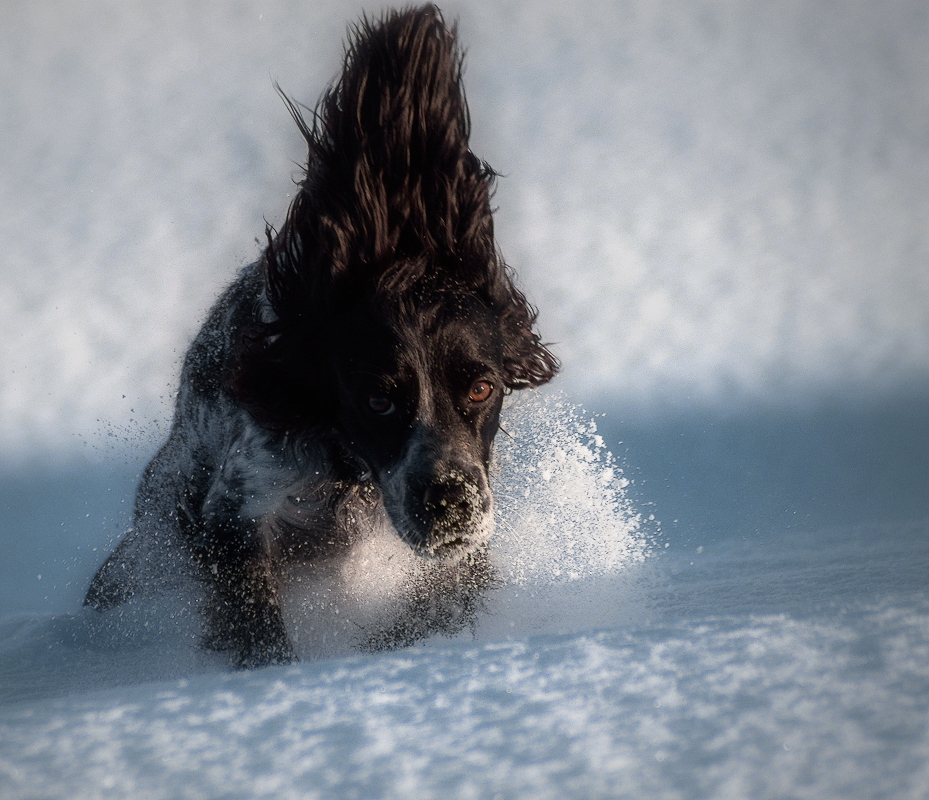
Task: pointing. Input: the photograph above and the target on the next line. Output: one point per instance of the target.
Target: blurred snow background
(713, 203)
(719, 207)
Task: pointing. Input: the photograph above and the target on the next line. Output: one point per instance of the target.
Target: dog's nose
(449, 498)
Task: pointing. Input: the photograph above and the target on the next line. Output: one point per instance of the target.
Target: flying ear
(527, 362)
(390, 175)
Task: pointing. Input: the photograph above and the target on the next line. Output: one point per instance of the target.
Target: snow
(662, 712)
(719, 208)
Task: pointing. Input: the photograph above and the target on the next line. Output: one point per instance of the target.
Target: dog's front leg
(244, 611)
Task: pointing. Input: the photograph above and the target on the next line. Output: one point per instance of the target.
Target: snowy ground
(719, 208)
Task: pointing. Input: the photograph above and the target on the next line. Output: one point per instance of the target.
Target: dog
(354, 373)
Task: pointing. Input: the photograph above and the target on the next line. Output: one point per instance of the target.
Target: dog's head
(396, 325)
(420, 387)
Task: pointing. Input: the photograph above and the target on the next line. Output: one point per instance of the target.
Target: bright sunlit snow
(713, 530)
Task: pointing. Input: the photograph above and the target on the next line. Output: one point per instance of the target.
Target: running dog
(355, 373)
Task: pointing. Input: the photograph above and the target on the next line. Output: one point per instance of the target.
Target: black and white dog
(355, 372)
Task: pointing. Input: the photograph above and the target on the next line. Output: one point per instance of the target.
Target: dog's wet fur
(354, 374)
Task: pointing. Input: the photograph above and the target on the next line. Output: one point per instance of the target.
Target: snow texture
(719, 207)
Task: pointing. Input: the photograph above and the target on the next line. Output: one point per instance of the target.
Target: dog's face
(420, 392)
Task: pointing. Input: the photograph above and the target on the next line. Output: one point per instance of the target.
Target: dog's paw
(254, 632)
(108, 588)
(272, 654)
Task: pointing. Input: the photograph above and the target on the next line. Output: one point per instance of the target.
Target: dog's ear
(390, 176)
(281, 375)
(527, 362)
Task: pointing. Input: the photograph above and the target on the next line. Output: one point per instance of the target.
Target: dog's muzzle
(449, 514)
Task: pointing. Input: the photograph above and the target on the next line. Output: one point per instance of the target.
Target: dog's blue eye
(381, 404)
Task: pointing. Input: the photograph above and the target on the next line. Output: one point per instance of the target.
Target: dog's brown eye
(381, 404)
(480, 391)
